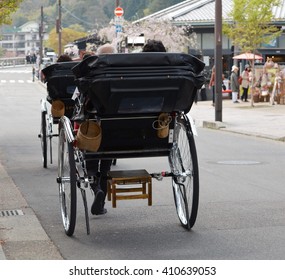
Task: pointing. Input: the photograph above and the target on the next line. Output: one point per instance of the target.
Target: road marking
(14, 81)
(15, 71)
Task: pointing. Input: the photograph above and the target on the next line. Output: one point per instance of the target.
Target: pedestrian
(28, 59)
(245, 82)
(234, 84)
(98, 169)
(212, 83)
(33, 73)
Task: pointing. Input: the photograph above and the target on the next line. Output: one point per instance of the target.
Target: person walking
(33, 73)
(98, 169)
(212, 83)
(234, 84)
(245, 82)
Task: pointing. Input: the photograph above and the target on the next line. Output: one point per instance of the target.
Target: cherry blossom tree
(175, 38)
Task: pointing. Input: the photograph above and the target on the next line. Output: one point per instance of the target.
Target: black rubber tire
(183, 158)
(67, 183)
(43, 137)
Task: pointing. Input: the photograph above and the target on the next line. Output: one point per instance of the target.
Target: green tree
(158, 5)
(67, 36)
(7, 7)
(2, 52)
(91, 14)
(251, 26)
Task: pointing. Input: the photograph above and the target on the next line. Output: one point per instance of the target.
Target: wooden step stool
(120, 180)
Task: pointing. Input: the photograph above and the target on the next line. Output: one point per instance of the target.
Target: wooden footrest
(122, 181)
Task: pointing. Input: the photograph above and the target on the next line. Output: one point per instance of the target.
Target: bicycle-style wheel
(184, 166)
(43, 137)
(67, 182)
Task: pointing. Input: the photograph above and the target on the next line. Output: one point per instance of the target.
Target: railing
(12, 61)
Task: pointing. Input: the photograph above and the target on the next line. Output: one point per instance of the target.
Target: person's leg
(213, 91)
(245, 94)
(99, 195)
(105, 166)
(92, 167)
(242, 95)
(235, 97)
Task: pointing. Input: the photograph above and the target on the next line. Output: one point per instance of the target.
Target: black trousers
(99, 169)
(244, 94)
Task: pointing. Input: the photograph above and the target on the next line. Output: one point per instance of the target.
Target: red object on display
(118, 11)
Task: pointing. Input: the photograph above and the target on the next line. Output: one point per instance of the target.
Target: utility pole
(58, 27)
(218, 60)
(117, 3)
(41, 35)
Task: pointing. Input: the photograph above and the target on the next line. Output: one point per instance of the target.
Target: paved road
(20, 229)
(16, 237)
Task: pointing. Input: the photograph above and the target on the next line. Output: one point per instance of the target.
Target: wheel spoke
(43, 137)
(67, 183)
(184, 165)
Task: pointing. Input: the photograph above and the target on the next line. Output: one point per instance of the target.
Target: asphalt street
(262, 120)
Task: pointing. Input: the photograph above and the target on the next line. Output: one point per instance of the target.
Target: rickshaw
(125, 95)
(60, 88)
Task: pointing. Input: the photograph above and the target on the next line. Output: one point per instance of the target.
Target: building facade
(21, 41)
(200, 14)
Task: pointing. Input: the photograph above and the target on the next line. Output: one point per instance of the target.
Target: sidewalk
(21, 234)
(262, 120)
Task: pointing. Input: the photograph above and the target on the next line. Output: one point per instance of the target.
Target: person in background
(212, 84)
(234, 84)
(106, 49)
(153, 46)
(99, 168)
(33, 73)
(213, 81)
(245, 82)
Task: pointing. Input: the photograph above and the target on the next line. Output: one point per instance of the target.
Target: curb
(213, 125)
(221, 126)
(22, 237)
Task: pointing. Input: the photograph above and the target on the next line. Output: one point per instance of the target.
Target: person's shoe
(246, 101)
(97, 207)
(236, 102)
(102, 211)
